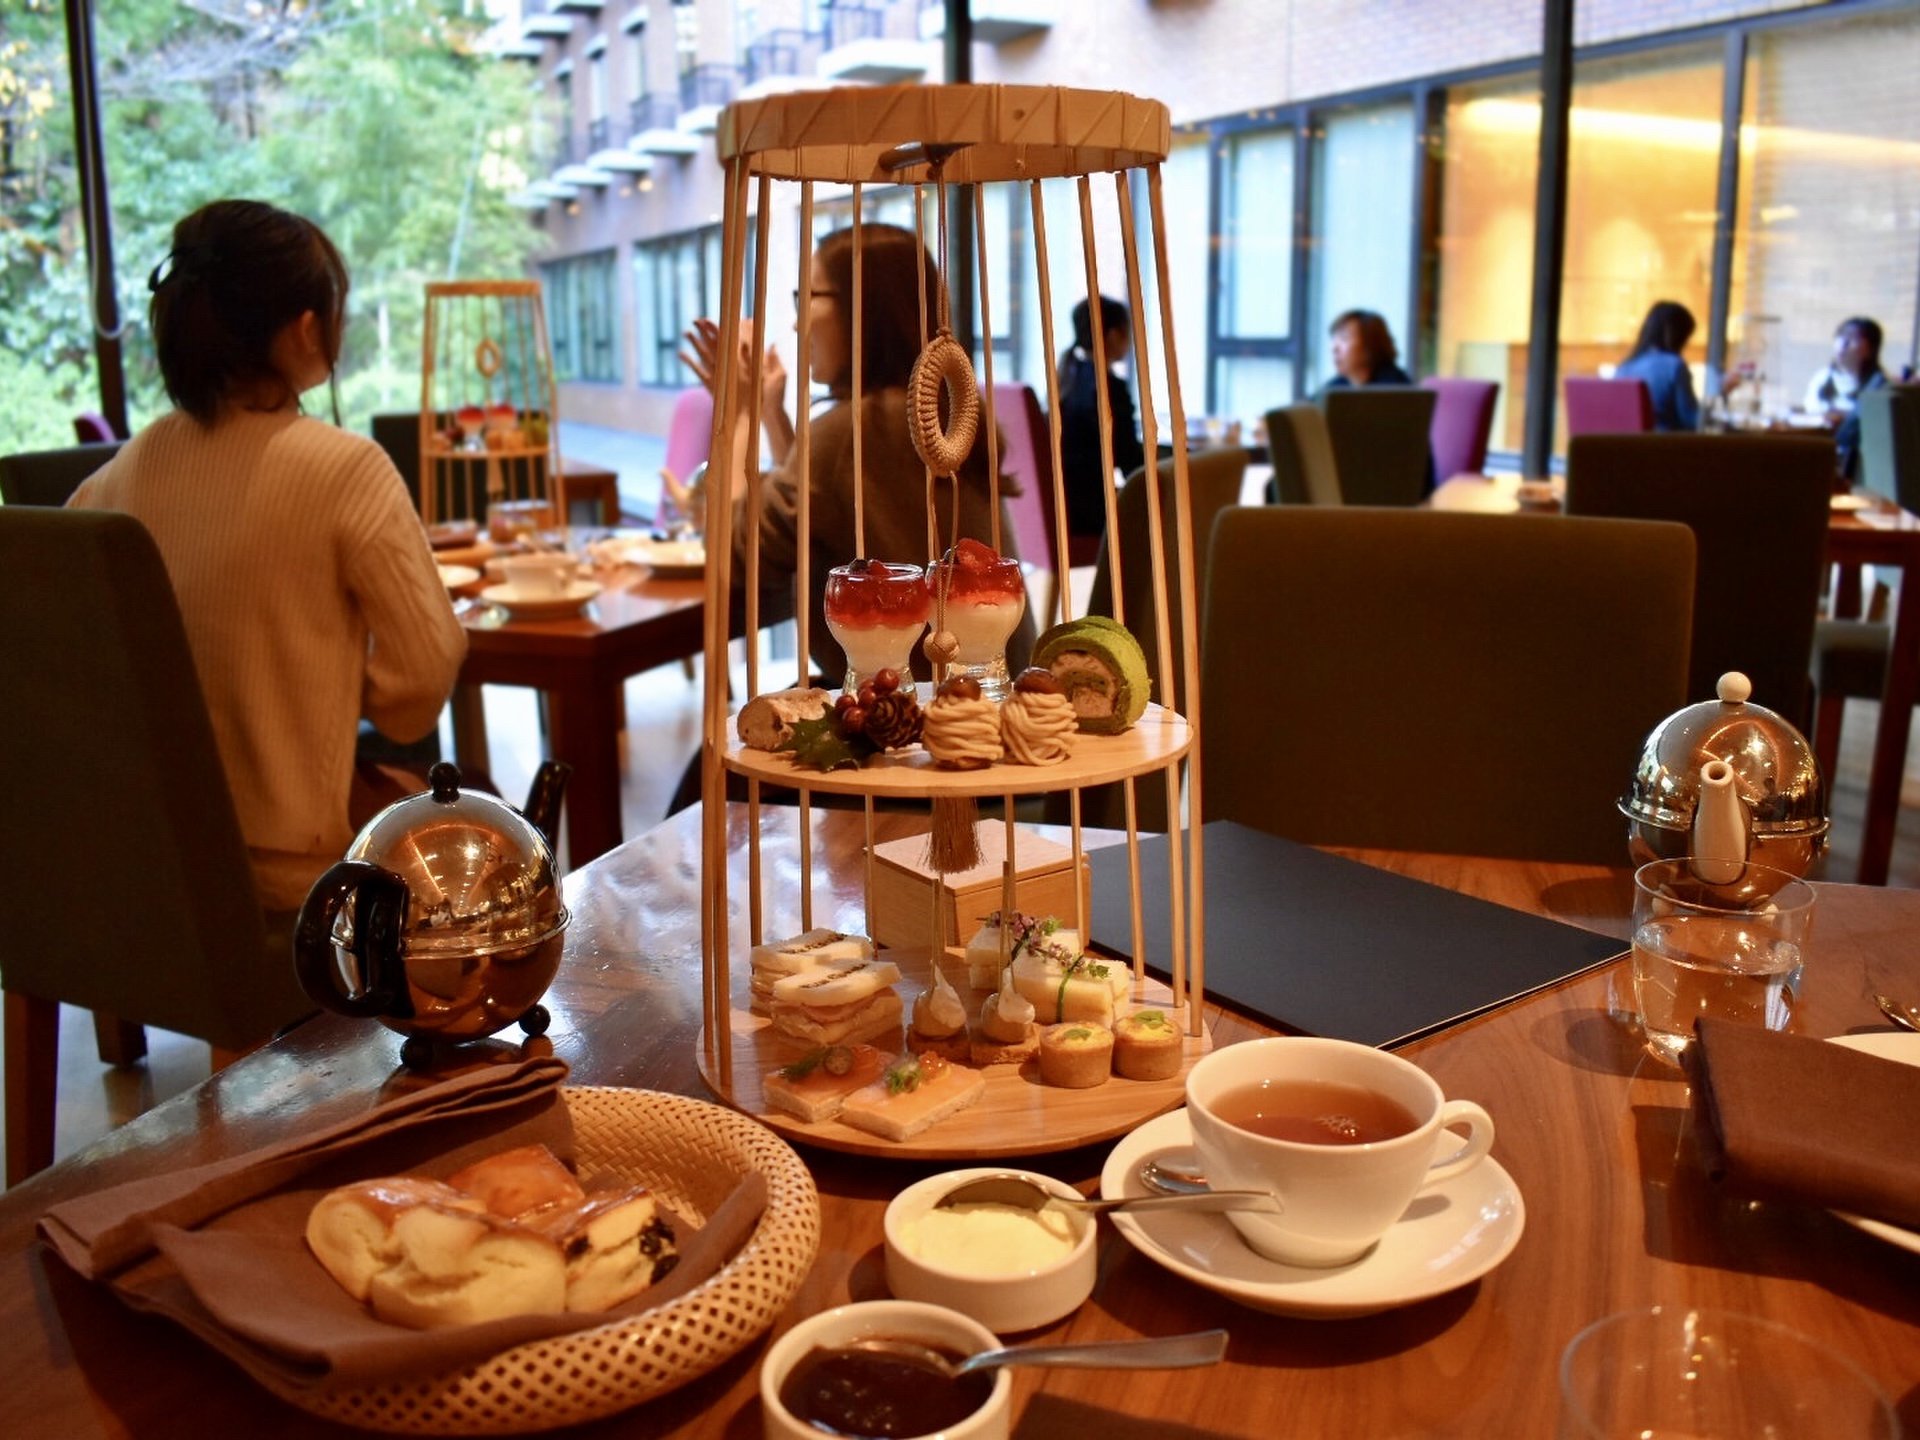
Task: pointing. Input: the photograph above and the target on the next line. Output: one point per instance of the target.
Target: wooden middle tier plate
(1016, 1116)
(1155, 741)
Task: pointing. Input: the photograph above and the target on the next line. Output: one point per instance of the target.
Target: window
(597, 100)
(675, 281)
(563, 105)
(637, 60)
(1362, 218)
(1829, 215)
(686, 36)
(1253, 357)
(581, 317)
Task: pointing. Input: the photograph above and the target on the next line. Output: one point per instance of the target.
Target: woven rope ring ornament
(943, 365)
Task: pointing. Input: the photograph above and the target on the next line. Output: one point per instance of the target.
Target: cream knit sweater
(310, 598)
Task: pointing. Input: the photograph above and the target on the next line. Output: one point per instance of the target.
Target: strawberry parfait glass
(876, 610)
(986, 594)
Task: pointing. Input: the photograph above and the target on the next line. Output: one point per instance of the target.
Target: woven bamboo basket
(691, 1154)
(942, 139)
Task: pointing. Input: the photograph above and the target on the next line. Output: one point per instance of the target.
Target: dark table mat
(1317, 944)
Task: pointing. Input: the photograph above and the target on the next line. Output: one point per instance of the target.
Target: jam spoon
(1025, 1194)
(1173, 1352)
(1907, 1017)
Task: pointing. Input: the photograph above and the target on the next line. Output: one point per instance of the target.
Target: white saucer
(670, 559)
(1846, 504)
(454, 576)
(522, 605)
(1453, 1234)
(1888, 1045)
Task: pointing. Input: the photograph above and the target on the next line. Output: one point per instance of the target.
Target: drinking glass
(876, 610)
(1718, 939)
(1672, 1372)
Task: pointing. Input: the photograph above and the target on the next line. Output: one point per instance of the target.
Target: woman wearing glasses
(891, 265)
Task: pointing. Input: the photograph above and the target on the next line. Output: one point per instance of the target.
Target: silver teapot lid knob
(1733, 688)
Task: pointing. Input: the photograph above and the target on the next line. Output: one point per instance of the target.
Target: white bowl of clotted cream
(1009, 1269)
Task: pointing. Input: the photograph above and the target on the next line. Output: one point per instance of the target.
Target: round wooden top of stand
(892, 134)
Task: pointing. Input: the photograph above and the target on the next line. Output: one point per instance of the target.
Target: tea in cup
(1345, 1136)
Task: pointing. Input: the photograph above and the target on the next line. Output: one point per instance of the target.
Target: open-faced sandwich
(814, 1087)
(915, 1092)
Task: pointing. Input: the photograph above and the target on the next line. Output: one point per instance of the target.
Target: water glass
(1715, 939)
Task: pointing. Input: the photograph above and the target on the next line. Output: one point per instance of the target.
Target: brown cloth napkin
(1803, 1119)
(221, 1249)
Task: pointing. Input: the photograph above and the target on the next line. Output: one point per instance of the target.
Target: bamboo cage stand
(487, 402)
(936, 138)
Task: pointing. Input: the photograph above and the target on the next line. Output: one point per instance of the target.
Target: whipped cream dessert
(991, 1239)
(876, 610)
(985, 597)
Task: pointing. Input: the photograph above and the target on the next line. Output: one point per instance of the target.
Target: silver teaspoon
(1175, 1352)
(1907, 1017)
(1024, 1194)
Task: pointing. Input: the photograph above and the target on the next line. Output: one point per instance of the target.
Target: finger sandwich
(808, 951)
(835, 1004)
(1077, 988)
(915, 1093)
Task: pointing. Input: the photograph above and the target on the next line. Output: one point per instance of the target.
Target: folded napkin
(1803, 1119)
(221, 1249)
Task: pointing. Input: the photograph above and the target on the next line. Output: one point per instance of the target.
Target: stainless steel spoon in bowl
(1907, 1017)
(1024, 1194)
(1174, 1352)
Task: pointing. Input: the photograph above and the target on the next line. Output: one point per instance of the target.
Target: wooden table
(1881, 535)
(1595, 1135)
(594, 485)
(580, 664)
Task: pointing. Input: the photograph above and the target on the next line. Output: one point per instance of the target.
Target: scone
(1075, 1057)
(1146, 1046)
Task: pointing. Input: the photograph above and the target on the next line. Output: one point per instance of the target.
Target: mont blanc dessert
(961, 730)
(1037, 722)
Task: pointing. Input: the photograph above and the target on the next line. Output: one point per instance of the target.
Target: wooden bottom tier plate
(1017, 1115)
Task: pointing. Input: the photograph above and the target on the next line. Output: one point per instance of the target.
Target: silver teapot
(1727, 782)
(444, 922)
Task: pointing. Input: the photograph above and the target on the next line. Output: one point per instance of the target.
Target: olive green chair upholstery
(1757, 506)
(124, 884)
(1382, 442)
(1301, 450)
(49, 477)
(1214, 480)
(1430, 681)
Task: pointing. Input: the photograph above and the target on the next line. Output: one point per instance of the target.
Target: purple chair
(1462, 425)
(1608, 407)
(91, 428)
(1026, 455)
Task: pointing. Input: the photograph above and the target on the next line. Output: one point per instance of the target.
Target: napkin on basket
(221, 1249)
(1801, 1118)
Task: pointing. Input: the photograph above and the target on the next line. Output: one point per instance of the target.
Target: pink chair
(1026, 454)
(689, 438)
(1462, 425)
(1608, 407)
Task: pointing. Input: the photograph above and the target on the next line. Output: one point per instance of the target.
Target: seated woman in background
(1080, 416)
(1655, 360)
(303, 572)
(1835, 392)
(895, 500)
(1364, 352)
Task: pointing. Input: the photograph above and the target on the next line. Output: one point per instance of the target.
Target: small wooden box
(902, 901)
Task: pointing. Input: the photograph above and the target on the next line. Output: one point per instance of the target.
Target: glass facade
(1363, 163)
(675, 281)
(582, 318)
(1252, 361)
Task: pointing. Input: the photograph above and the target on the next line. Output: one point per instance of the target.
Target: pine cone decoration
(893, 720)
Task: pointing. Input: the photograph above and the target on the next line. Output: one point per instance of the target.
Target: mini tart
(1075, 1056)
(1146, 1046)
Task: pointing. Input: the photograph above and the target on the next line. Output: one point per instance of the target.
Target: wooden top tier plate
(1159, 738)
(1016, 1116)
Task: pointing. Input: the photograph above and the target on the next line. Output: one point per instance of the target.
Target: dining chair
(1301, 450)
(90, 427)
(1026, 455)
(1214, 478)
(1381, 438)
(1757, 506)
(49, 477)
(124, 883)
(689, 440)
(1850, 656)
(399, 435)
(1426, 680)
(1462, 424)
(1608, 407)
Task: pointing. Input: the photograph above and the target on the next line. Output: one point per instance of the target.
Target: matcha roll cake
(1099, 665)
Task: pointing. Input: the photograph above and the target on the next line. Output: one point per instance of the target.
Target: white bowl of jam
(810, 1387)
(1010, 1269)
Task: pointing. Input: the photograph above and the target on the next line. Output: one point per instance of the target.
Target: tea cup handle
(1472, 1150)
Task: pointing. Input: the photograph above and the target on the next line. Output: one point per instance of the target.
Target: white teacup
(542, 575)
(1336, 1199)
